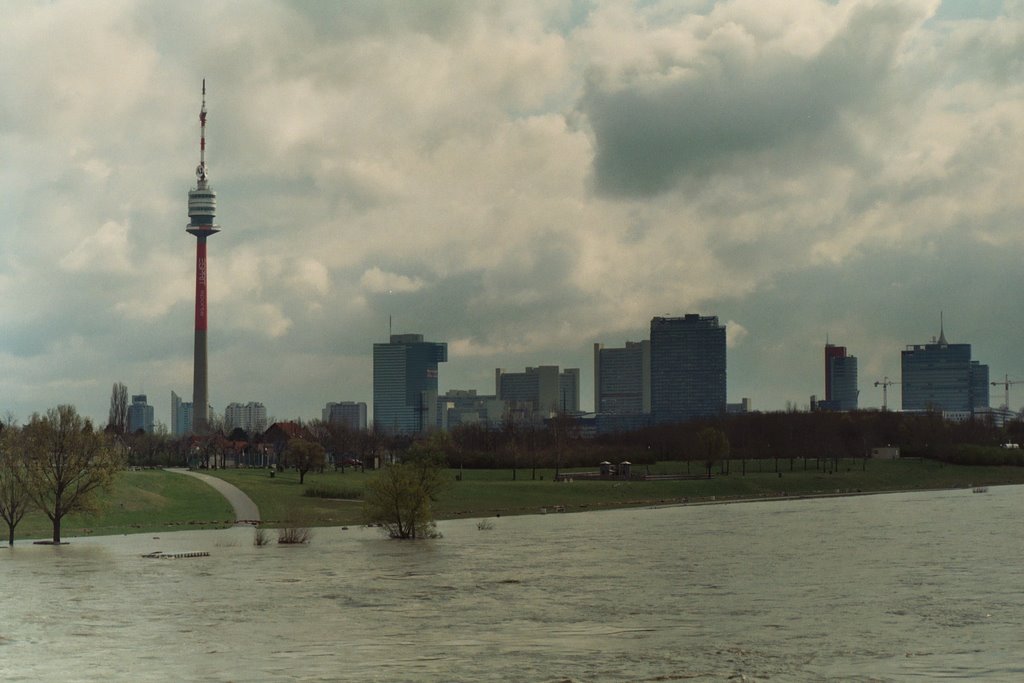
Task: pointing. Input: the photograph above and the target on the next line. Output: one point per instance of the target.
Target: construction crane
(1006, 386)
(885, 383)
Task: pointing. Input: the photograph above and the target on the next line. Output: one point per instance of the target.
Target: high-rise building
(140, 415)
(202, 207)
(569, 391)
(622, 379)
(464, 407)
(348, 414)
(942, 376)
(542, 391)
(405, 383)
(840, 379)
(181, 416)
(251, 417)
(687, 367)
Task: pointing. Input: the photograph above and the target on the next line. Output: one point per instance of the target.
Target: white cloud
(105, 250)
(735, 334)
(378, 281)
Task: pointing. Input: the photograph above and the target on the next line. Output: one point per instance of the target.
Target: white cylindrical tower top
(202, 201)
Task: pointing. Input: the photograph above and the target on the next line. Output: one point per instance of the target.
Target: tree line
(562, 441)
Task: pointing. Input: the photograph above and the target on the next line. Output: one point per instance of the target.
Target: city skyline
(474, 174)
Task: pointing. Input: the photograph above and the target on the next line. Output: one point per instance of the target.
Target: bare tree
(148, 449)
(564, 428)
(14, 498)
(714, 445)
(371, 446)
(304, 456)
(117, 421)
(66, 463)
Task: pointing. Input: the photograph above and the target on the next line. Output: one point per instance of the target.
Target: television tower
(202, 206)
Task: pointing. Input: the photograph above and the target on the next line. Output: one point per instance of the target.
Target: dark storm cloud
(651, 131)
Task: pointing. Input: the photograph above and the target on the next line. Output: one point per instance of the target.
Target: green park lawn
(484, 493)
(154, 500)
(281, 499)
(140, 502)
(490, 492)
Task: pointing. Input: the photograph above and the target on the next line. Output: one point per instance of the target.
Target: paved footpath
(245, 510)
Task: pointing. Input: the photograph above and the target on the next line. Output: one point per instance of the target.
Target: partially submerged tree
(294, 533)
(400, 497)
(66, 462)
(14, 498)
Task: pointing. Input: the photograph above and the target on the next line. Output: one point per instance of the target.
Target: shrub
(260, 537)
(344, 493)
(294, 535)
(400, 498)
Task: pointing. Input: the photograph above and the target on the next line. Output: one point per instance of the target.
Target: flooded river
(919, 586)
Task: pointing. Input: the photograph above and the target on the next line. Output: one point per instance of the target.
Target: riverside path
(246, 511)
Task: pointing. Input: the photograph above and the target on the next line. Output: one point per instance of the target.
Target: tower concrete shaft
(202, 206)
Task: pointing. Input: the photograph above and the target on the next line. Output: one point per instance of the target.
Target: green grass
(140, 502)
(153, 500)
(482, 493)
(281, 498)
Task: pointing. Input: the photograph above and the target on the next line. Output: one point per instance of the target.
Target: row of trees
(752, 436)
(56, 463)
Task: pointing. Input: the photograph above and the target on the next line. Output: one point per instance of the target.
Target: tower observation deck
(202, 207)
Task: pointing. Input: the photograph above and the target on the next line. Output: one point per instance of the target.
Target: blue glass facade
(140, 415)
(841, 383)
(405, 383)
(942, 377)
(687, 367)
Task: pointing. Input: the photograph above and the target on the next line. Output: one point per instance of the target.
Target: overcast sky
(518, 179)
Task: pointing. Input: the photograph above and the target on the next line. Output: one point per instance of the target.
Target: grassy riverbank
(491, 492)
(153, 500)
(486, 493)
(140, 502)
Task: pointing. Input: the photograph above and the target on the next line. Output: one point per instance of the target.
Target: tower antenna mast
(202, 135)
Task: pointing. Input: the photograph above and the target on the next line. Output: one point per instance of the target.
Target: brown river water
(916, 586)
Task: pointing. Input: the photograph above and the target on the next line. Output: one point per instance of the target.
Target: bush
(260, 536)
(400, 498)
(344, 493)
(294, 535)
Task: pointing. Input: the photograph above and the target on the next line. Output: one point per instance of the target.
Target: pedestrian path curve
(246, 511)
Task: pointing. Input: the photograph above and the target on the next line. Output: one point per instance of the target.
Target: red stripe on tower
(201, 285)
